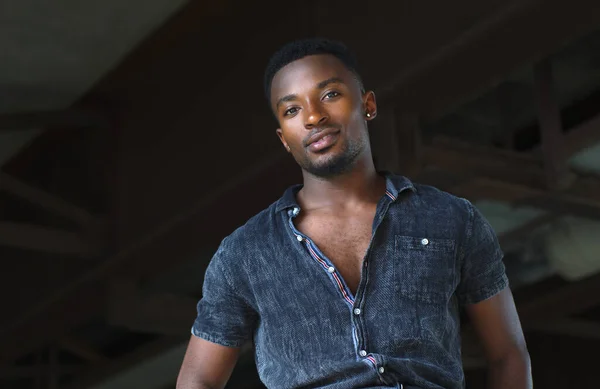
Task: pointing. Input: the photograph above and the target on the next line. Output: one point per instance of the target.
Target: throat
(345, 193)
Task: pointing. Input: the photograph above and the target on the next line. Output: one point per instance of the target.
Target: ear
(280, 135)
(369, 105)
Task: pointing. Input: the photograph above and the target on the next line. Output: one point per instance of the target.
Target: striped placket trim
(334, 274)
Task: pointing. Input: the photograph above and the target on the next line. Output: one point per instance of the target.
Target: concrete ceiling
(51, 53)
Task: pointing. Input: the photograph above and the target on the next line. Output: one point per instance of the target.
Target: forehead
(306, 73)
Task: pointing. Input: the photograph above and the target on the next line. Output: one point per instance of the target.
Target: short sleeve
(224, 315)
(483, 274)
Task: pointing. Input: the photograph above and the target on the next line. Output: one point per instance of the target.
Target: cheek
(346, 111)
(293, 134)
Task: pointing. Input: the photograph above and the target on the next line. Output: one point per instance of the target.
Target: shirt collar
(394, 186)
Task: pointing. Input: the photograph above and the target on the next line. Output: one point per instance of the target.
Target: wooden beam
(38, 374)
(582, 136)
(494, 189)
(488, 52)
(82, 349)
(45, 239)
(579, 138)
(47, 201)
(159, 313)
(57, 320)
(509, 176)
(546, 311)
(53, 368)
(525, 230)
(384, 139)
(84, 298)
(587, 206)
(474, 161)
(36, 371)
(564, 301)
(68, 118)
(408, 143)
(576, 328)
(557, 173)
(445, 53)
(581, 205)
(396, 141)
(93, 375)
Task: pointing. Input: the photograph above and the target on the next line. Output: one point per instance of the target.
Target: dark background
(134, 136)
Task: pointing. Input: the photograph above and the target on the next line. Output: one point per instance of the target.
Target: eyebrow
(320, 85)
(332, 80)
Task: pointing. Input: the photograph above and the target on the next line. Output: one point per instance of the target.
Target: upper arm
(225, 322)
(206, 365)
(497, 324)
(226, 315)
(482, 271)
(484, 291)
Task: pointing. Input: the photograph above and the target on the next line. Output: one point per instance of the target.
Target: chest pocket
(424, 268)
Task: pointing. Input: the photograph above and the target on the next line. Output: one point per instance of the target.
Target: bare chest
(344, 241)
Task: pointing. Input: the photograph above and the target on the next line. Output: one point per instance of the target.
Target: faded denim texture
(430, 253)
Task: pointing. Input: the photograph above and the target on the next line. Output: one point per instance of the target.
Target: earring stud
(368, 115)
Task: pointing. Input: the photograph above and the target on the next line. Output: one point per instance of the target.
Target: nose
(315, 116)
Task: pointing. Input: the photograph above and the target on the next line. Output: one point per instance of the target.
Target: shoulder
(258, 226)
(442, 202)
(231, 259)
(251, 235)
(459, 213)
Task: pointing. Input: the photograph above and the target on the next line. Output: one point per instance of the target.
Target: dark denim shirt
(430, 252)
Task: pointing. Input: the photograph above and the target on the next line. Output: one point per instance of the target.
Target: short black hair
(301, 48)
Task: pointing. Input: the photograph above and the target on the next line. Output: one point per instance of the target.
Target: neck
(359, 186)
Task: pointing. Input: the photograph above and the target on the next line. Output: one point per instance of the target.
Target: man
(355, 278)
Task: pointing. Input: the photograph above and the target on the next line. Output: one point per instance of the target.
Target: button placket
(324, 263)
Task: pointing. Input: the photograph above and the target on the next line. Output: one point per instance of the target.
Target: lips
(322, 140)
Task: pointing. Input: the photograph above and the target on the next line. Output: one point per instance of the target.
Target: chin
(331, 162)
(330, 168)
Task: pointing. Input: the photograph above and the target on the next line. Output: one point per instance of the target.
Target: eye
(331, 95)
(290, 111)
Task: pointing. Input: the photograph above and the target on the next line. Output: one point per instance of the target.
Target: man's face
(322, 114)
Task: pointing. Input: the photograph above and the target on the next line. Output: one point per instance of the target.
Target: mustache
(319, 130)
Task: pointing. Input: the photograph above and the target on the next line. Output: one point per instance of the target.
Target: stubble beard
(334, 165)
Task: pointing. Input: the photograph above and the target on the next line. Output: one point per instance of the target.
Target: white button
(425, 241)
(296, 211)
(299, 238)
(357, 311)
(331, 269)
(381, 370)
(362, 353)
